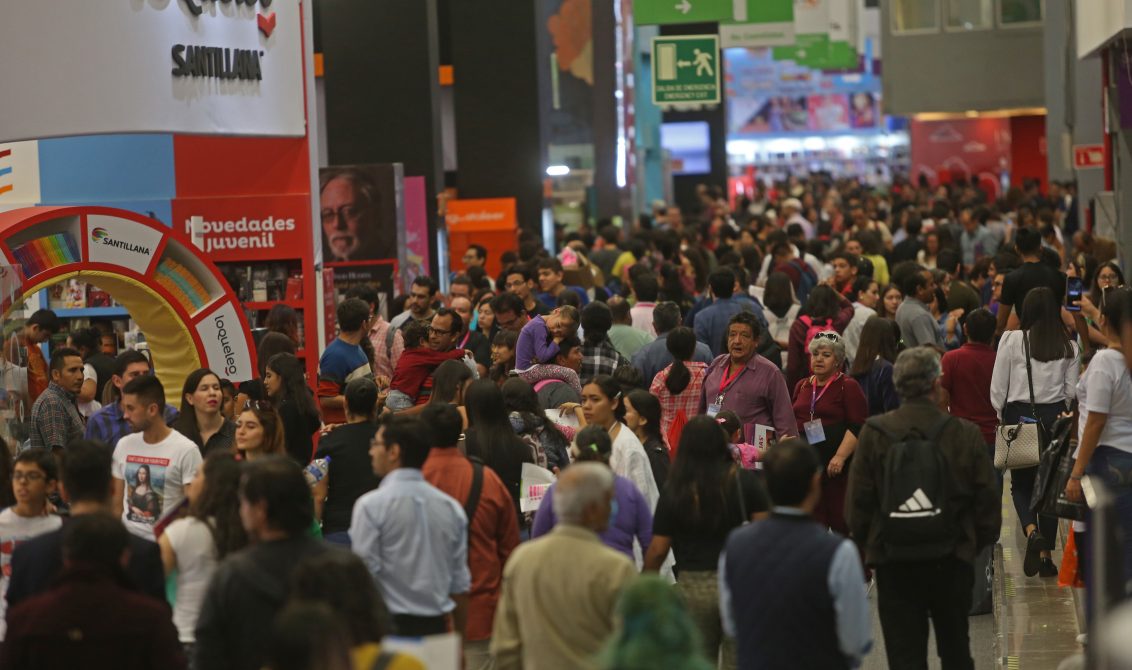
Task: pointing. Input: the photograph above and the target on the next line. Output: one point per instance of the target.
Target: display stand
(190, 316)
(263, 247)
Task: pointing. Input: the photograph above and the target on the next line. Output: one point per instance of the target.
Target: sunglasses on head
(827, 335)
(261, 405)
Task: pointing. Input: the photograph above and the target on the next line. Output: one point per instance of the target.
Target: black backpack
(918, 519)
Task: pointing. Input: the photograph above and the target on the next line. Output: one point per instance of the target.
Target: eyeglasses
(27, 476)
(437, 331)
(261, 405)
(343, 213)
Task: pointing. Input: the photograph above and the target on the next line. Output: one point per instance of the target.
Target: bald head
(583, 494)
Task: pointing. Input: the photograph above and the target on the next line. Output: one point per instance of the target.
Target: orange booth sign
(492, 223)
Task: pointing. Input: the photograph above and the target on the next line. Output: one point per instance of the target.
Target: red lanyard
(815, 396)
(728, 380)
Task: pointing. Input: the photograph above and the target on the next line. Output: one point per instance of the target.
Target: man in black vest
(793, 594)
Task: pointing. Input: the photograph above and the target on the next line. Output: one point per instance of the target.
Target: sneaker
(1034, 546)
(1047, 568)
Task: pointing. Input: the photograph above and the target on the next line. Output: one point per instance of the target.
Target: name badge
(815, 434)
(714, 409)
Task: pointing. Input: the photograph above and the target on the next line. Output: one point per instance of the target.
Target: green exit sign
(666, 12)
(669, 12)
(685, 69)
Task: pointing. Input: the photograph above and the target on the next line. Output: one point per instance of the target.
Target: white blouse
(631, 462)
(1054, 381)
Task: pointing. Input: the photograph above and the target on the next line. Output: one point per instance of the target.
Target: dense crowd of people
(772, 406)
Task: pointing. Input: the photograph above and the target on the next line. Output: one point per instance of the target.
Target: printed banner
(77, 67)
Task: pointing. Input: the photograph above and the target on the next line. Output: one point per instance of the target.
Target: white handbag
(1020, 445)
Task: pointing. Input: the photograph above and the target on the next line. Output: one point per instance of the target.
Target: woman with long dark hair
(678, 387)
(825, 309)
(491, 438)
(643, 417)
(781, 309)
(603, 405)
(502, 356)
(286, 387)
(530, 423)
(890, 299)
(1107, 275)
(200, 419)
(873, 365)
(194, 545)
(1041, 353)
(283, 319)
(673, 289)
(707, 496)
(449, 384)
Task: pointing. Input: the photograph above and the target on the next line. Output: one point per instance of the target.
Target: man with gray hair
(560, 590)
(923, 500)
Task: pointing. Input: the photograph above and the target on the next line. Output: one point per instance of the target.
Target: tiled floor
(1038, 619)
(1034, 626)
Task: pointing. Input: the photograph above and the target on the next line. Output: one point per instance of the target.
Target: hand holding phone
(1074, 289)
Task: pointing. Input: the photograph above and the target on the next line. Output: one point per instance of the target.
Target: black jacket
(976, 492)
(249, 588)
(37, 563)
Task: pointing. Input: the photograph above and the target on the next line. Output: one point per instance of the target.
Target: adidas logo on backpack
(916, 506)
(918, 520)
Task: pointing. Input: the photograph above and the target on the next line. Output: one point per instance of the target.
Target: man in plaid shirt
(55, 418)
(599, 356)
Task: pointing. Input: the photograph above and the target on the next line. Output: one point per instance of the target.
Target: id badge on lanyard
(724, 385)
(815, 432)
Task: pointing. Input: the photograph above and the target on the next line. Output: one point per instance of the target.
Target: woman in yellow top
(340, 581)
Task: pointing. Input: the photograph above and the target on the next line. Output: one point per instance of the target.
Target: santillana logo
(229, 63)
(100, 235)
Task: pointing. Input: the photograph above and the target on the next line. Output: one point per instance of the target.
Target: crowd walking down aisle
(830, 425)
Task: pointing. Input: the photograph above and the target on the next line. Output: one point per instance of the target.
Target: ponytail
(681, 343)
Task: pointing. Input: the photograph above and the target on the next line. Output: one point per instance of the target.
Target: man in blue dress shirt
(412, 536)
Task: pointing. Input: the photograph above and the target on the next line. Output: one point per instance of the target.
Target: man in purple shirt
(538, 340)
(748, 384)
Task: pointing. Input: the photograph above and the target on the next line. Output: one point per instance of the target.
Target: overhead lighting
(988, 114)
(558, 170)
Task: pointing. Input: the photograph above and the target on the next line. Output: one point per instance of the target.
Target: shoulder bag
(1053, 475)
(1020, 445)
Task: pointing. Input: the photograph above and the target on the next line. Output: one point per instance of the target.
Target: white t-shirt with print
(168, 466)
(192, 542)
(15, 530)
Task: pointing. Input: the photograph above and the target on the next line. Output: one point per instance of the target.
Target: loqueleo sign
(234, 229)
(82, 67)
(225, 344)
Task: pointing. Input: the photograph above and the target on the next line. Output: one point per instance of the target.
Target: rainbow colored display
(46, 252)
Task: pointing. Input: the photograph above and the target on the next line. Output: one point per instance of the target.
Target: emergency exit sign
(685, 69)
